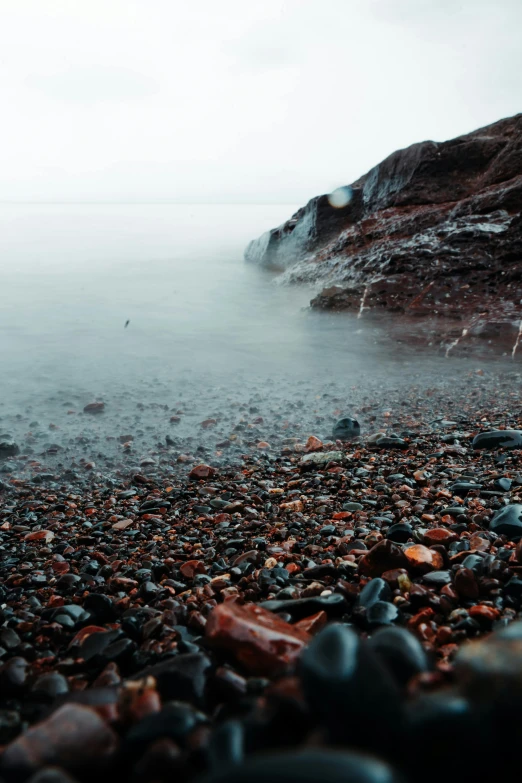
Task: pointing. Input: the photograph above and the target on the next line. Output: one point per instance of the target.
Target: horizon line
(181, 203)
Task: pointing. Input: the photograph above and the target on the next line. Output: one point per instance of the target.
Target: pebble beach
(272, 595)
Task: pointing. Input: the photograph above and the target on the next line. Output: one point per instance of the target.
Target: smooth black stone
(455, 511)
(334, 605)
(10, 725)
(437, 578)
(504, 484)
(9, 639)
(339, 669)
(328, 530)
(498, 439)
(174, 721)
(508, 522)
(8, 448)
(475, 563)
(143, 574)
(181, 677)
(513, 588)
(96, 643)
(51, 775)
(51, 685)
(462, 488)
(381, 613)
(451, 437)
(120, 651)
(100, 607)
(320, 571)
(75, 612)
(13, 676)
(68, 580)
(346, 429)
(438, 727)
(400, 532)
(149, 590)
(511, 631)
(375, 590)
(389, 442)
(308, 766)
(401, 652)
(225, 747)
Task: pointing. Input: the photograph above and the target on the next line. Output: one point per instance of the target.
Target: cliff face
(434, 230)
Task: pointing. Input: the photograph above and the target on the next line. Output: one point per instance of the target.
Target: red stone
(192, 567)
(202, 472)
(312, 624)
(439, 535)
(422, 559)
(262, 642)
(482, 612)
(40, 535)
(84, 633)
(313, 444)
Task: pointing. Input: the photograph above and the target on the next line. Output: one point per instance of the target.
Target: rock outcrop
(435, 230)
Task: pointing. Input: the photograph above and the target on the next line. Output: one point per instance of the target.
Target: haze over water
(74, 274)
(208, 333)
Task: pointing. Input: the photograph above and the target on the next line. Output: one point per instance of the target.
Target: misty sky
(239, 100)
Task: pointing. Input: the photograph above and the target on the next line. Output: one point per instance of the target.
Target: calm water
(208, 333)
(71, 276)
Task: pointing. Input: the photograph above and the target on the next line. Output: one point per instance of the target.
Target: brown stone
(465, 583)
(293, 505)
(313, 444)
(123, 524)
(262, 642)
(312, 624)
(384, 556)
(73, 737)
(202, 472)
(192, 567)
(398, 579)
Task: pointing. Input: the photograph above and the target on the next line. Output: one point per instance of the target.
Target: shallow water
(205, 328)
(72, 275)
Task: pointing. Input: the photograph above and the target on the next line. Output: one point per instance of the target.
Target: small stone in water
(346, 429)
(8, 448)
(94, 407)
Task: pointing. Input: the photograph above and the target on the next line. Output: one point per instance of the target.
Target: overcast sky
(239, 100)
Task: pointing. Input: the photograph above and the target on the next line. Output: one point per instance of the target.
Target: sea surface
(206, 330)
(73, 275)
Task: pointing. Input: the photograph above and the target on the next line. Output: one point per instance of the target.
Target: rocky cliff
(435, 230)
